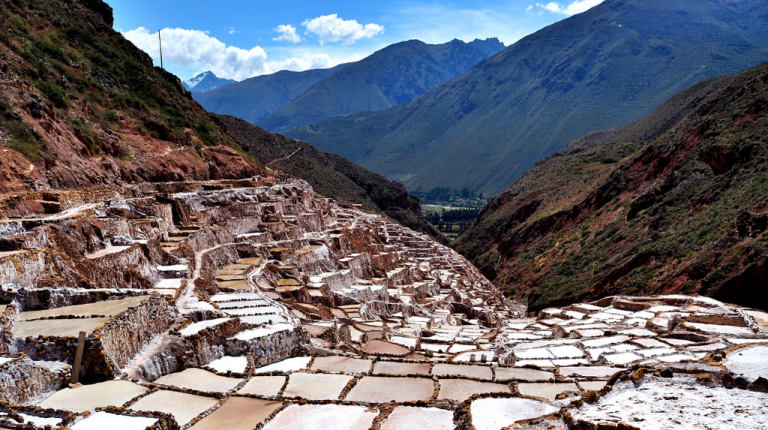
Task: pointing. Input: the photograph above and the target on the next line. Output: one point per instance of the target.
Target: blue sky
(239, 39)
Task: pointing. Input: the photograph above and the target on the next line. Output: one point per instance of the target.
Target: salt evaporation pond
(545, 390)
(229, 364)
(184, 407)
(287, 365)
(107, 308)
(380, 347)
(104, 420)
(395, 368)
(57, 328)
(90, 397)
(383, 389)
(462, 389)
(339, 364)
(482, 372)
(411, 418)
(263, 386)
(316, 386)
(323, 417)
(749, 362)
(493, 414)
(238, 413)
(200, 380)
(518, 374)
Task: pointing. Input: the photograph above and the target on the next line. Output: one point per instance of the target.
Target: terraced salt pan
(263, 331)
(288, 365)
(238, 413)
(58, 328)
(462, 389)
(184, 407)
(200, 380)
(316, 386)
(474, 356)
(395, 368)
(384, 389)
(104, 420)
(337, 364)
(263, 385)
(38, 421)
(545, 390)
(105, 308)
(482, 372)
(224, 297)
(229, 364)
(537, 363)
(323, 417)
(670, 404)
(202, 325)
(510, 373)
(589, 372)
(259, 310)
(242, 304)
(90, 397)
(264, 319)
(106, 251)
(720, 329)
(593, 385)
(381, 347)
(493, 414)
(623, 358)
(4, 360)
(411, 418)
(750, 362)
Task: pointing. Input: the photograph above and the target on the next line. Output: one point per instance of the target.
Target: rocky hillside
(600, 69)
(392, 76)
(273, 91)
(332, 175)
(81, 106)
(613, 214)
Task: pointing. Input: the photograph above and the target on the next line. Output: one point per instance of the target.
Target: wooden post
(160, 38)
(78, 357)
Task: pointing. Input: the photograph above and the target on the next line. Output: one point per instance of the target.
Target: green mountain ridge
(603, 68)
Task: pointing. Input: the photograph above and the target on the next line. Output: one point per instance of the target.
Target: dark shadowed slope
(392, 76)
(255, 98)
(604, 68)
(332, 175)
(614, 214)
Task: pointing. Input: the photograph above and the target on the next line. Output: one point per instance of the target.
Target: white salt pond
(412, 418)
(184, 407)
(39, 421)
(323, 417)
(261, 332)
(316, 386)
(338, 364)
(263, 386)
(229, 364)
(482, 372)
(462, 389)
(384, 389)
(105, 308)
(288, 365)
(395, 368)
(238, 413)
(90, 397)
(202, 325)
(545, 390)
(493, 414)
(200, 380)
(516, 374)
(750, 362)
(104, 420)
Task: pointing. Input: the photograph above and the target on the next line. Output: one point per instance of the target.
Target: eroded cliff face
(613, 214)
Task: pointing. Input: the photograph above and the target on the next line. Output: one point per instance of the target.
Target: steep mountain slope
(255, 98)
(604, 68)
(82, 106)
(612, 214)
(206, 81)
(332, 175)
(392, 76)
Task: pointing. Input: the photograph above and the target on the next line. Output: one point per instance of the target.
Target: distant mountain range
(603, 68)
(204, 82)
(394, 75)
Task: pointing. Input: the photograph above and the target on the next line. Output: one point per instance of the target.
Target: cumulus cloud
(577, 6)
(287, 33)
(331, 28)
(195, 48)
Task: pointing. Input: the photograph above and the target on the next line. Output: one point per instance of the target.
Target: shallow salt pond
(750, 362)
(58, 328)
(589, 372)
(202, 325)
(263, 385)
(593, 385)
(229, 364)
(462, 389)
(90, 397)
(104, 420)
(493, 414)
(106, 308)
(238, 413)
(516, 374)
(383, 389)
(337, 364)
(288, 365)
(316, 386)
(412, 418)
(200, 380)
(482, 372)
(323, 417)
(394, 368)
(545, 390)
(184, 407)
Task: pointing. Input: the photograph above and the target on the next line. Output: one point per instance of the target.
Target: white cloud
(287, 33)
(331, 28)
(529, 8)
(196, 49)
(577, 6)
(232, 30)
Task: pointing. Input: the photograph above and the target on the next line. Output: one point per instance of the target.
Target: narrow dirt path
(284, 158)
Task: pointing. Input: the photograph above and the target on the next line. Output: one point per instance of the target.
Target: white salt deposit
(288, 365)
(104, 420)
(410, 418)
(202, 325)
(750, 362)
(229, 364)
(493, 414)
(323, 417)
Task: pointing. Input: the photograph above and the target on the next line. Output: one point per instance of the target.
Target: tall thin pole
(161, 48)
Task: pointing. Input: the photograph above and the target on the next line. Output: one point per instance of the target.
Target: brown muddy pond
(380, 389)
(335, 364)
(381, 347)
(238, 413)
